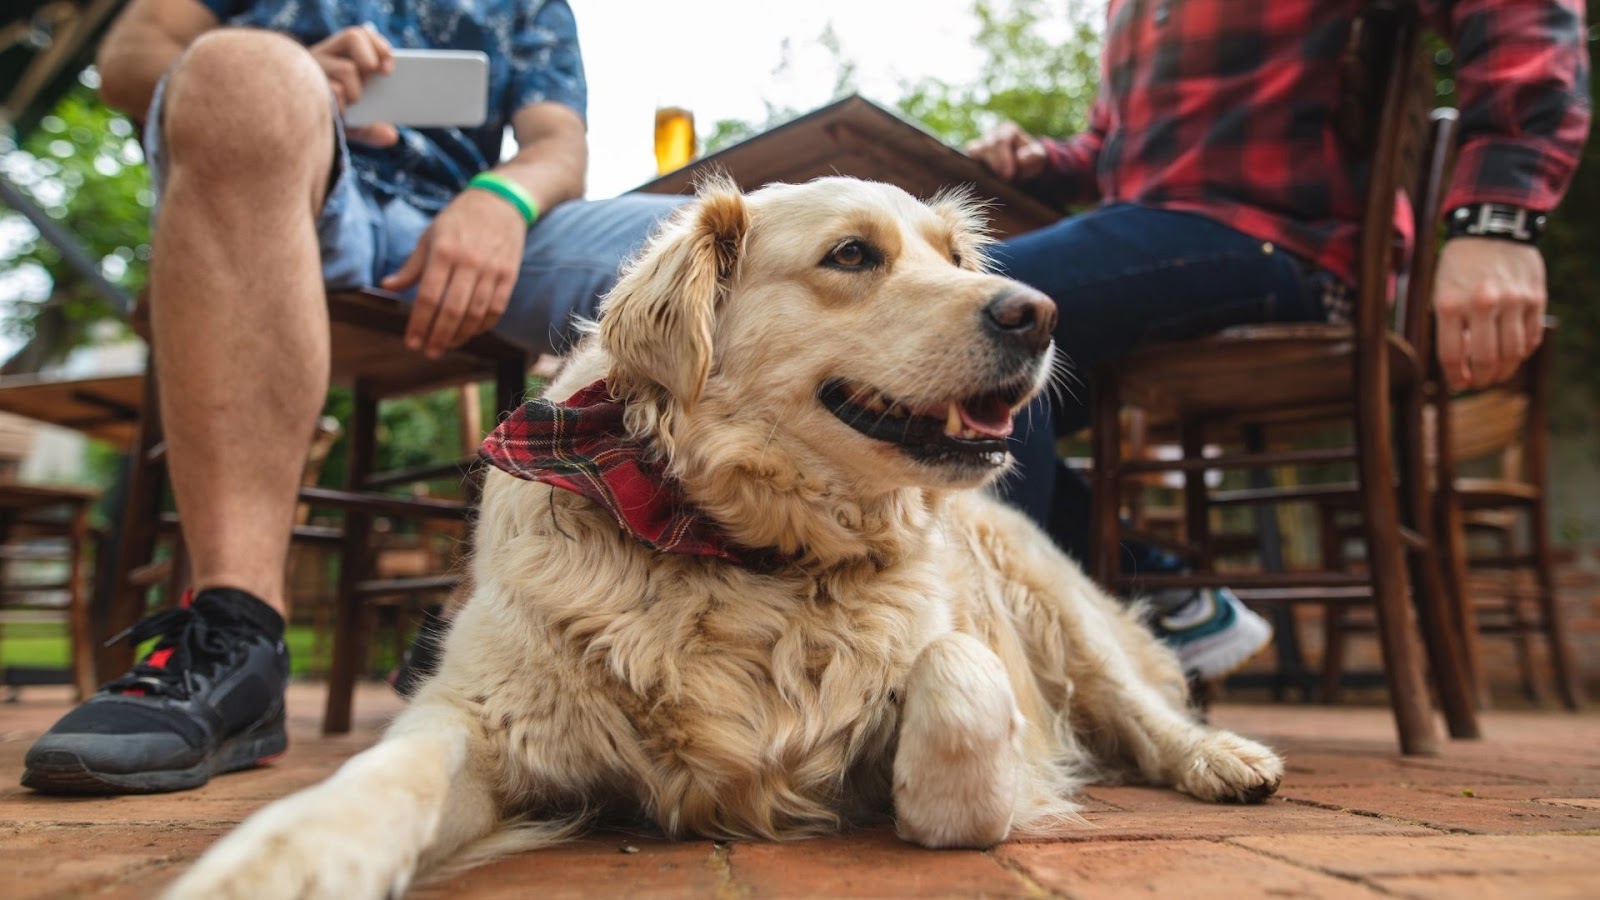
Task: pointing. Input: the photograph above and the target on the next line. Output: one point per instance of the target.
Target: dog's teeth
(873, 403)
(952, 421)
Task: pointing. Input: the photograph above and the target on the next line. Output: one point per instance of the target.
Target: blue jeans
(570, 260)
(1124, 276)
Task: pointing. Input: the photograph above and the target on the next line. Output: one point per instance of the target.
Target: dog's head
(838, 331)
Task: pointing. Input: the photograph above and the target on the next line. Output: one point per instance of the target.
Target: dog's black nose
(1023, 316)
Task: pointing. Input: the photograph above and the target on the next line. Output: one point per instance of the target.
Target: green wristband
(509, 191)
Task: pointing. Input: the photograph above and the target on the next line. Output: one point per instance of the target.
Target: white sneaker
(1213, 633)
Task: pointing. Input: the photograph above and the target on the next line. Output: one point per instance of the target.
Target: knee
(245, 102)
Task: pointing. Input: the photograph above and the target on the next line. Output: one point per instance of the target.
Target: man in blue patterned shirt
(266, 199)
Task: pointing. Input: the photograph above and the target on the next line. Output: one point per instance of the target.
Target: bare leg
(241, 330)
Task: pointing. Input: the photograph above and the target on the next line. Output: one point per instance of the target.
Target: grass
(43, 645)
(35, 645)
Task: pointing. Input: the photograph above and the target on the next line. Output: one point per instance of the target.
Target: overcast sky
(717, 58)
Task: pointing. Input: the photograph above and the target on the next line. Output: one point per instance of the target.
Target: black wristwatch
(1495, 220)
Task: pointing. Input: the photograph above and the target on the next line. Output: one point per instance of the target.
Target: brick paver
(1515, 815)
(1187, 869)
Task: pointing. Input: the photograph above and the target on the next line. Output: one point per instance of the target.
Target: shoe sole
(64, 772)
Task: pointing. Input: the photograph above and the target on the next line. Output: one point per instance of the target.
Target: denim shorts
(570, 261)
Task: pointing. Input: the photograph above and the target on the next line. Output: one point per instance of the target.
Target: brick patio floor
(1515, 815)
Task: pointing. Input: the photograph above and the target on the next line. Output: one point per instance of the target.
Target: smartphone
(427, 89)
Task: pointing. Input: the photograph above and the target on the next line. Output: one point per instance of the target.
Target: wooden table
(858, 138)
(105, 407)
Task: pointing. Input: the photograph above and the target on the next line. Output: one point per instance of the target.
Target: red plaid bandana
(579, 446)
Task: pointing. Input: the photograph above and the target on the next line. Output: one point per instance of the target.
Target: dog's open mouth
(971, 429)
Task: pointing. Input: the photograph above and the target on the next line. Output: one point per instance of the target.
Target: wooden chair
(367, 334)
(1370, 375)
(1501, 434)
(1510, 425)
(1505, 430)
(50, 525)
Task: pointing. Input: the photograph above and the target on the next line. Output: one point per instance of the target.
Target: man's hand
(1489, 296)
(349, 57)
(464, 267)
(1012, 153)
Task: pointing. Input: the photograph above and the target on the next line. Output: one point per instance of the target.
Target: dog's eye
(851, 254)
(955, 257)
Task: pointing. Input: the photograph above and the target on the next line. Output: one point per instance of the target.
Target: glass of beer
(675, 139)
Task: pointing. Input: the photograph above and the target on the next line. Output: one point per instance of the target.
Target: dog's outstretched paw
(302, 848)
(1227, 768)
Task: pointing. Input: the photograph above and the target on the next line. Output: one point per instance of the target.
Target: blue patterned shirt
(533, 58)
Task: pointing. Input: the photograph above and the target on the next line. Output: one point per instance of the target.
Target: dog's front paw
(306, 846)
(957, 771)
(1227, 768)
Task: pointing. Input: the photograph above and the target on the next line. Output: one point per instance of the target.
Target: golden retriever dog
(823, 376)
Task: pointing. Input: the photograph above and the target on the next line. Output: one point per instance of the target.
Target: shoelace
(188, 640)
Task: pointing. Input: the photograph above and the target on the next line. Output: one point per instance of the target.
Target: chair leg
(1333, 644)
(349, 637)
(178, 579)
(1522, 628)
(1105, 500)
(1452, 538)
(78, 603)
(1561, 661)
(1285, 625)
(1196, 508)
(1333, 614)
(1538, 454)
(510, 383)
(1408, 694)
(1442, 632)
(136, 544)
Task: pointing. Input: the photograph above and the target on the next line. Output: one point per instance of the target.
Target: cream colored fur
(928, 655)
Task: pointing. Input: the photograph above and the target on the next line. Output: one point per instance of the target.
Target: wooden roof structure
(44, 44)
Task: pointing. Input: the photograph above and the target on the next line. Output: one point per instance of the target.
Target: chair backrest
(1506, 425)
(1414, 292)
(1388, 37)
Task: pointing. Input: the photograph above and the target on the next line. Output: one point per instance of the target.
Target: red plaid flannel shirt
(580, 446)
(1226, 108)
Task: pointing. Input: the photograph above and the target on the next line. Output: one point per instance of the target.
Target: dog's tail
(509, 839)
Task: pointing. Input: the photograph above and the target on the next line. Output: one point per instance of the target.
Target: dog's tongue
(992, 418)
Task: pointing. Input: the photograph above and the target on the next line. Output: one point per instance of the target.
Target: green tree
(84, 167)
(726, 132)
(1040, 68)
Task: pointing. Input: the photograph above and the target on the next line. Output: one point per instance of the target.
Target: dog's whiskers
(1062, 374)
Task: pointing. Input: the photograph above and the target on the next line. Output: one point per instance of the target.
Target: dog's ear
(657, 322)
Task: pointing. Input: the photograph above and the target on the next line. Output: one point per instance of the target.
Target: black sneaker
(207, 700)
